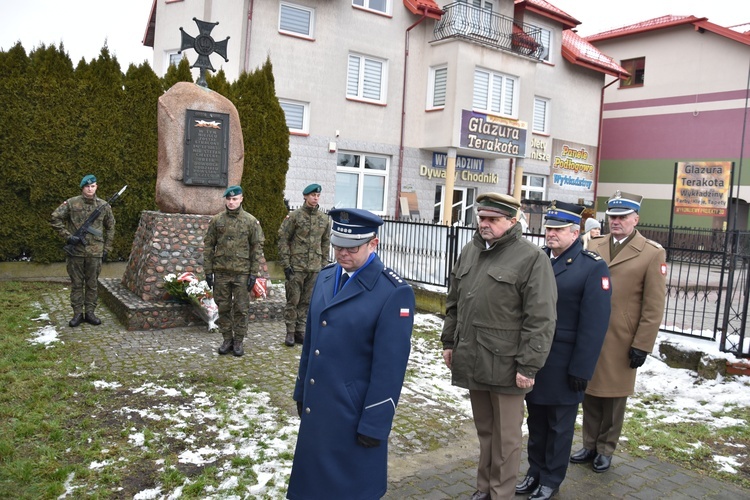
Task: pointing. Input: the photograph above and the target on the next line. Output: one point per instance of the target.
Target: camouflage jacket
(68, 217)
(305, 239)
(233, 243)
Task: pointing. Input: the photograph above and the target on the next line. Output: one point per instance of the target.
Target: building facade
(670, 130)
(391, 104)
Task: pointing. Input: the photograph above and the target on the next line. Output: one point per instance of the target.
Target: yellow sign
(702, 188)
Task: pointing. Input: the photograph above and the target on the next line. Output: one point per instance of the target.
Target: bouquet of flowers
(187, 288)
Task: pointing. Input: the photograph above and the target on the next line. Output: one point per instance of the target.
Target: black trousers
(551, 431)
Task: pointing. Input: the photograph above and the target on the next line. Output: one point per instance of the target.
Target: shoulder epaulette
(653, 243)
(394, 277)
(593, 255)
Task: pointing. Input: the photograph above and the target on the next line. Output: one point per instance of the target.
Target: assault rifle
(79, 236)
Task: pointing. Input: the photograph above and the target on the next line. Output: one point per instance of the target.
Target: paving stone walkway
(433, 452)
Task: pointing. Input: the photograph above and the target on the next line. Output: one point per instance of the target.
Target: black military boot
(226, 347)
(77, 319)
(299, 337)
(92, 319)
(237, 350)
(289, 340)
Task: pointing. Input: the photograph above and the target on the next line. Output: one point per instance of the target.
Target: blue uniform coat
(583, 308)
(351, 371)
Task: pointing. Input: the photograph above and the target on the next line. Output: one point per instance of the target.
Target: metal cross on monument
(204, 45)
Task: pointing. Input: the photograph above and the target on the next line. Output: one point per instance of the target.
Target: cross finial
(204, 45)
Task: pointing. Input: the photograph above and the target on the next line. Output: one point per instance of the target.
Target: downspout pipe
(599, 141)
(403, 112)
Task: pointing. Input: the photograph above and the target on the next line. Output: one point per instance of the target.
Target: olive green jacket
(500, 313)
(68, 217)
(233, 243)
(305, 240)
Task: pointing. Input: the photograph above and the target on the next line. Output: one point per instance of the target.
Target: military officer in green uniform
(232, 250)
(84, 260)
(304, 246)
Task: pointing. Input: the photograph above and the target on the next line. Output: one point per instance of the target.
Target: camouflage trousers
(233, 300)
(298, 293)
(84, 276)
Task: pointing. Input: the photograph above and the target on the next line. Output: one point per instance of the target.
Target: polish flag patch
(605, 283)
(663, 269)
(404, 312)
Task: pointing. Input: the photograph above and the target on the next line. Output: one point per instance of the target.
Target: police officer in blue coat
(583, 309)
(352, 367)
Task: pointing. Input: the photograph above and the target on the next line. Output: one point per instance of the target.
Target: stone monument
(201, 153)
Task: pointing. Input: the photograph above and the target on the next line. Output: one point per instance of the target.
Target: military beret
(496, 204)
(353, 227)
(88, 179)
(561, 214)
(623, 203)
(233, 191)
(312, 188)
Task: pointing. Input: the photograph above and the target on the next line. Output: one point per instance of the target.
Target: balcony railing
(461, 20)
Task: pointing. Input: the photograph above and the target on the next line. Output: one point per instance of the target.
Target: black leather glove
(299, 409)
(577, 384)
(104, 256)
(637, 357)
(210, 280)
(250, 282)
(73, 240)
(367, 441)
(288, 273)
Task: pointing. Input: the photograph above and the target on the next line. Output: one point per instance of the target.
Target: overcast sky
(83, 26)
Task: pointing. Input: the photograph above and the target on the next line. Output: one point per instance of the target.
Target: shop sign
(490, 134)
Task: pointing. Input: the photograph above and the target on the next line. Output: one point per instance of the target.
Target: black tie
(343, 280)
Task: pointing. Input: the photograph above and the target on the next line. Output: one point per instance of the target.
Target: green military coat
(68, 217)
(233, 243)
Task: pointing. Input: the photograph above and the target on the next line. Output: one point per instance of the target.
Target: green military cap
(88, 179)
(233, 191)
(312, 188)
(496, 204)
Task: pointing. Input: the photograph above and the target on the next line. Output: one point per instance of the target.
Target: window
(462, 210)
(361, 181)
(365, 78)
(438, 84)
(296, 20)
(541, 115)
(175, 58)
(383, 6)
(546, 38)
(495, 93)
(636, 68)
(297, 115)
(533, 187)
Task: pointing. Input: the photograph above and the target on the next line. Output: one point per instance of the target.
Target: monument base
(169, 244)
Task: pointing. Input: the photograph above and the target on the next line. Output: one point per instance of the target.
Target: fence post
(451, 255)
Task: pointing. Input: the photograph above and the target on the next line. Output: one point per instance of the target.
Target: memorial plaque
(206, 149)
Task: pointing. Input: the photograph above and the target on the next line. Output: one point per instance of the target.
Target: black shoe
(92, 319)
(237, 348)
(544, 493)
(299, 338)
(77, 319)
(289, 340)
(601, 463)
(527, 485)
(582, 456)
(480, 495)
(226, 347)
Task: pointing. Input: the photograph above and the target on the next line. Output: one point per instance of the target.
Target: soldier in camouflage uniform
(232, 250)
(304, 246)
(85, 260)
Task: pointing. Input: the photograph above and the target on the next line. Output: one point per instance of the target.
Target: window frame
(305, 130)
(545, 126)
(527, 188)
(432, 86)
(362, 173)
(636, 66)
(365, 5)
(507, 81)
(311, 22)
(362, 80)
(545, 56)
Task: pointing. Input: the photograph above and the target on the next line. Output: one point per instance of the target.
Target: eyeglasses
(350, 250)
